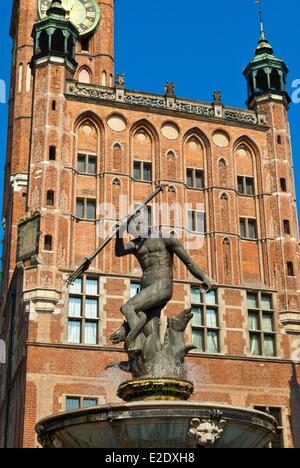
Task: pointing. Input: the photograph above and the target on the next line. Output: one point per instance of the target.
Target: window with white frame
(195, 178)
(205, 323)
(196, 222)
(142, 171)
(261, 324)
(83, 311)
(77, 402)
(87, 163)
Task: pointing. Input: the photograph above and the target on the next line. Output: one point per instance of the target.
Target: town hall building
(80, 140)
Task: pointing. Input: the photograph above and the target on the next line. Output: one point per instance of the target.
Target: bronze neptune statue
(141, 329)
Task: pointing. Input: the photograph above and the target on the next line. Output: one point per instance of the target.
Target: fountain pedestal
(155, 389)
(158, 424)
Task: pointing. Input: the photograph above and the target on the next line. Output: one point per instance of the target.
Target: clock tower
(82, 150)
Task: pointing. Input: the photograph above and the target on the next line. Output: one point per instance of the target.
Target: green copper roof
(56, 9)
(263, 45)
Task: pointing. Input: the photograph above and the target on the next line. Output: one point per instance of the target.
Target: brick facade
(51, 108)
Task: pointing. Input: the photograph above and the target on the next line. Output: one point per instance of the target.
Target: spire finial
(263, 45)
(262, 28)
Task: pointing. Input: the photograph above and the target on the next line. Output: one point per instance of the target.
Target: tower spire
(263, 45)
(262, 26)
(266, 74)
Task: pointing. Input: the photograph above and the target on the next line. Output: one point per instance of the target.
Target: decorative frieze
(157, 101)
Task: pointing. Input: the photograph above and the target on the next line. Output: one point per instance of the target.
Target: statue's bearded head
(138, 226)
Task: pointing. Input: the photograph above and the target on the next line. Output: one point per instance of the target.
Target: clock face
(84, 14)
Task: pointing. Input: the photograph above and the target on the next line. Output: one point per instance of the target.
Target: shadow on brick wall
(295, 405)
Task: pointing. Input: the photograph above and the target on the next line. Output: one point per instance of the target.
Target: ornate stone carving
(239, 116)
(206, 432)
(149, 101)
(163, 101)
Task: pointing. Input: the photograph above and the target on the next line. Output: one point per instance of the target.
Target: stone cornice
(167, 104)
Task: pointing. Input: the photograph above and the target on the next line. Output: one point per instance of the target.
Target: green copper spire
(55, 38)
(266, 74)
(263, 45)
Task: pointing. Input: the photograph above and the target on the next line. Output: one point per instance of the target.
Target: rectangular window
(252, 229)
(91, 209)
(196, 222)
(195, 178)
(278, 442)
(205, 323)
(72, 403)
(283, 185)
(87, 163)
(85, 44)
(92, 165)
(290, 269)
(189, 177)
(248, 228)
(52, 153)
(83, 311)
(246, 185)
(241, 185)
(287, 227)
(77, 402)
(261, 324)
(147, 177)
(249, 186)
(142, 171)
(137, 172)
(86, 209)
(89, 402)
(81, 163)
(80, 208)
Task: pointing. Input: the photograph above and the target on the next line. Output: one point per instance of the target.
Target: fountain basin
(157, 424)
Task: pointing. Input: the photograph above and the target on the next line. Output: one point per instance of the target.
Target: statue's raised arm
(175, 246)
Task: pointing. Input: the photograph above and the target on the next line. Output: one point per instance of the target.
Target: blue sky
(202, 46)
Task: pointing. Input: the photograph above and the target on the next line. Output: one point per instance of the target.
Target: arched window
(84, 76)
(48, 243)
(71, 46)
(275, 80)
(223, 173)
(104, 78)
(28, 78)
(20, 77)
(58, 41)
(224, 212)
(226, 246)
(171, 166)
(194, 154)
(262, 81)
(44, 42)
(117, 158)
